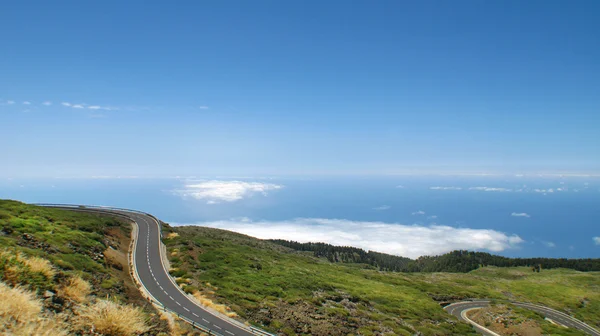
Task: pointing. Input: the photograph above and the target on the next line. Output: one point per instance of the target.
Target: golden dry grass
(110, 318)
(76, 289)
(40, 265)
(203, 300)
(16, 264)
(20, 314)
(172, 235)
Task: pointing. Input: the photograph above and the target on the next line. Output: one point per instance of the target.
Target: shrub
(20, 314)
(76, 289)
(110, 318)
(40, 265)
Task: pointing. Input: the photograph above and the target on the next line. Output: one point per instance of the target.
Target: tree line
(459, 261)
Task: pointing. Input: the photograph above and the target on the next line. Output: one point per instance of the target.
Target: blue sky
(298, 87)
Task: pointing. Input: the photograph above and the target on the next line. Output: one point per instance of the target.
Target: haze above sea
(516, 216)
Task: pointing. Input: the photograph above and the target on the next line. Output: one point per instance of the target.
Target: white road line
(195, 314)
(179, 304)
(186, 309)
(205, 320)
(171, 298)
(229, 332)
(216, 326)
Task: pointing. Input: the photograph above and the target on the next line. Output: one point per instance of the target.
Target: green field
(284, 290)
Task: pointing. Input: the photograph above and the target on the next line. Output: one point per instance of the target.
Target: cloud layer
(596, 240)
(445, 188)
(404, 240)
(520, 214)
(216, 191)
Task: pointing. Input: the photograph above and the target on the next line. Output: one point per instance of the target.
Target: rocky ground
(505, 320)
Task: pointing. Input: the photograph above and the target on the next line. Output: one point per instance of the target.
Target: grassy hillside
(64, 272)
(294, 292)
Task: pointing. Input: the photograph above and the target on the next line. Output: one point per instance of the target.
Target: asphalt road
(158, 283)
(459, 310)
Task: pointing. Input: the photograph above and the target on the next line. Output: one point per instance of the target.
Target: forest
(456, 261)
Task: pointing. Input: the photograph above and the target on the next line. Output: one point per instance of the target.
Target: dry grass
(206, 302)
(20, 314)
(16, 266)
(18, 304)
(76, 289)
(37, 264)
(110, 318)
(172, 235)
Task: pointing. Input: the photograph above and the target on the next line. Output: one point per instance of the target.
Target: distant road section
(460, 310)
(158, 283)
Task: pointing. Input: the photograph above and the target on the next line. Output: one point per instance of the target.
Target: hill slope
(65, 272)
(293, 292)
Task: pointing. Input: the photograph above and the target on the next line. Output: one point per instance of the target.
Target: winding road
(460, 309)
(156, 281)
(161, 288)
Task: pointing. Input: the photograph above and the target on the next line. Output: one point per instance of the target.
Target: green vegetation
(73, 241)
(73, 264)
(455, 261)
(296, 293)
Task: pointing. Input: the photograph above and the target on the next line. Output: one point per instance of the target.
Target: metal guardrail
(154, 301)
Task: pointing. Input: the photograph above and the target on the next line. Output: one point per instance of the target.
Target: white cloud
(520, 214)
(400, 186)
(94, 107)
(445, 188)
(596, 240)
(10, 102)
(78, 106)
(203, 107)
(47, 103)
(405, 240)
(227, 191)
(66, 104)
(489, 189)
(420, 212)
(432, 217)
(26, 103)
(549, 244)
(383, 207)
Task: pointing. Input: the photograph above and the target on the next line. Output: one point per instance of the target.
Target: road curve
(157, 282)
(459, 309)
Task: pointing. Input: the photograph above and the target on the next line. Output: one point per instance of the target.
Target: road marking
(195, 314)
(179, 304)
(216, 326)
(205, 320)
(171, 298)
(186, 309)
(229, 332)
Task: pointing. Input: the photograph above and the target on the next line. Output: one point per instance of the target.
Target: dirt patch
(505, 321)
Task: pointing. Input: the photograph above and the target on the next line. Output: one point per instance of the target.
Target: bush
(110, 318)
(76, 289)
(20, 314)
